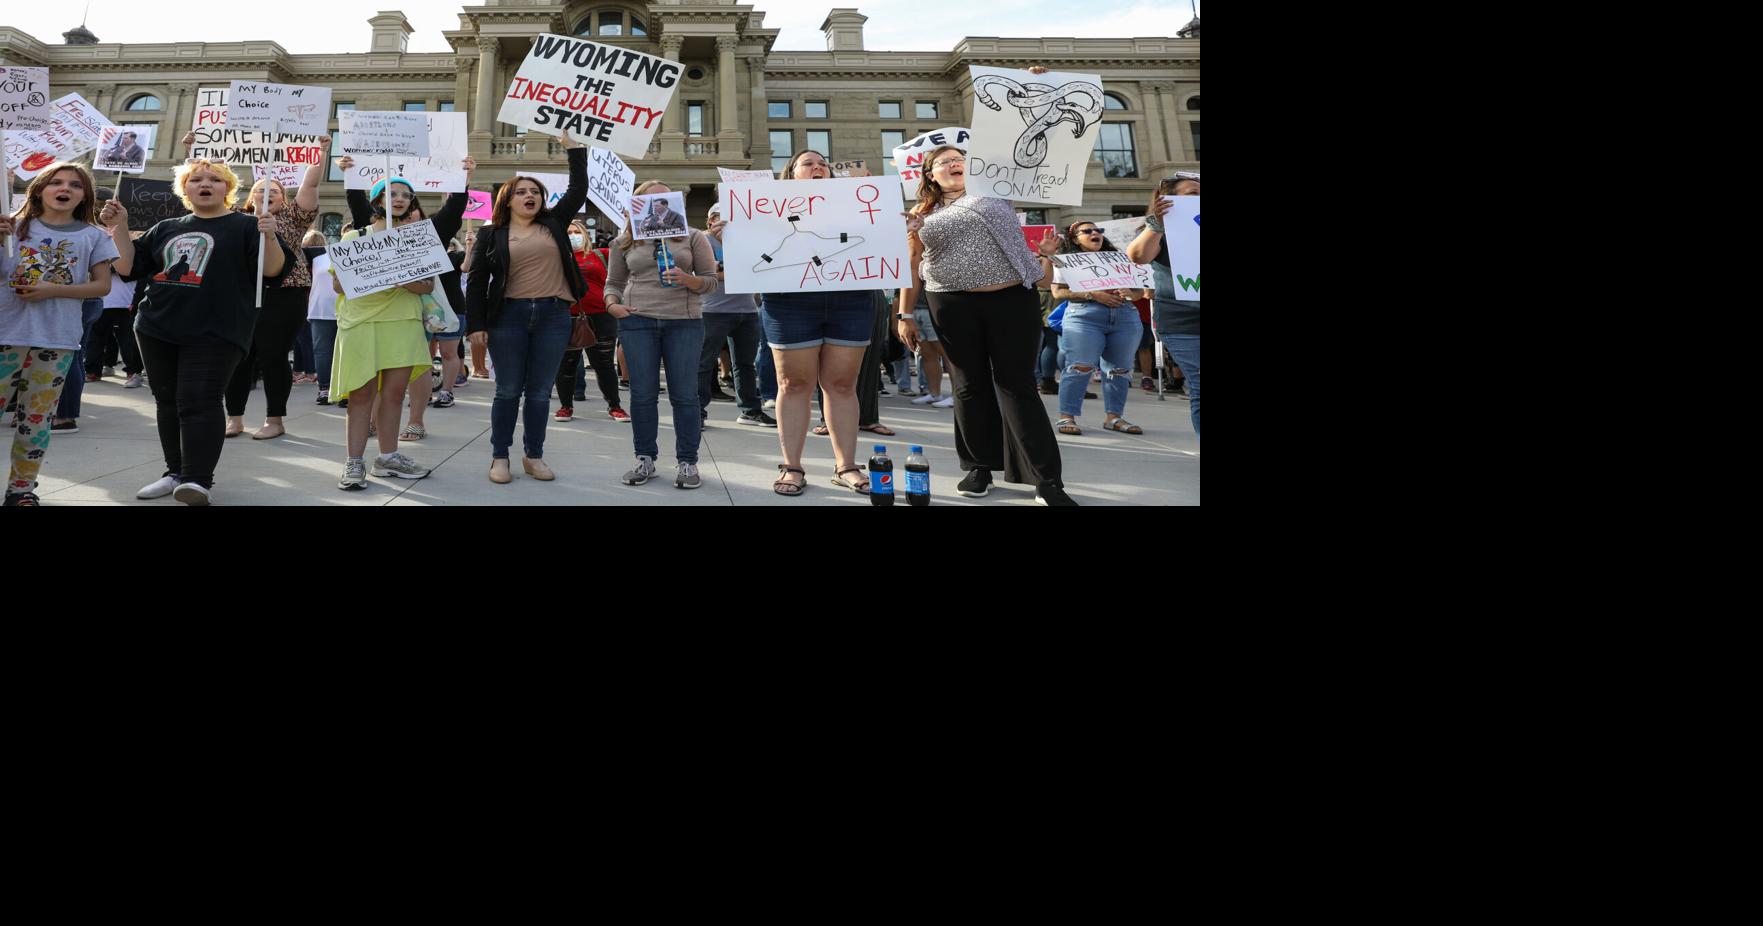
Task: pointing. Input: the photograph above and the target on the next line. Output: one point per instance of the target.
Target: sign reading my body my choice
(254, 106)
(600, 94)
(377, 262)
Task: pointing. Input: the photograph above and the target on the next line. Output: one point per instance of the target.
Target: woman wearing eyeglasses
(1178, 321)
(1102, 330)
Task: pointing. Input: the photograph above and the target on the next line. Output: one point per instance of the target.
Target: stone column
(759, 141)
(180, 120)
(483, 117)
(673, 136)
(102, 96)
(728, 109)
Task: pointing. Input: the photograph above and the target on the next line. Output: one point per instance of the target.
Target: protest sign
(377, 262)
(124, 148)
(658, 215)
(75, 126)
(609, 184)
(1181, 226)
(24, 99)
(382, 135)
(729, 176)
(483, 206)
(909, 158)
(850, 168)
(217, 141)
(443, 171)
(1034, 233)
(1033, 134)
(149, 202)
(1098, 270)
(290, 176)
(600, 94)
(253, 106)
(1121, 232)
(812, 236)
(555, 186)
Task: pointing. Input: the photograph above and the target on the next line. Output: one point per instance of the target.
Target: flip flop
(881, 429)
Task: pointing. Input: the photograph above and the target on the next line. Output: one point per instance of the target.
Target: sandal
(413, 432)
(861, 488)
(881, 429)
(1069, 426)
(1123, 426)
(787, 486)
(373, 430)
(821, 429)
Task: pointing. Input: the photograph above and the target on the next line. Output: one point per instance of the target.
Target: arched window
(146, 102)
(611, 21)
(1113, 101)
(637, 27)
(1194, 104)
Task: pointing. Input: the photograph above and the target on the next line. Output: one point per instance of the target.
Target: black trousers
(599, 357)
(113, 334)
(1000, 424)
(284, 311)
(187, 382)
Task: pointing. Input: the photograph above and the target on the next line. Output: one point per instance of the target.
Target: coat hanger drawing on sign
(798, 241)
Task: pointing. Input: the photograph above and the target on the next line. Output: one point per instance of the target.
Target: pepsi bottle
(881, 478)
(917, 479)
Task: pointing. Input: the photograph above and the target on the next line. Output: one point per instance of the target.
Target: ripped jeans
(1099, 337)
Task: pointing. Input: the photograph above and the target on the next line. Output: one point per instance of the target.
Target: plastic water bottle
(917, 479)
(663, 262)
(881, 478)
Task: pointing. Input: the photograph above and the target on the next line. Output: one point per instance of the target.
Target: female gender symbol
(874, 194)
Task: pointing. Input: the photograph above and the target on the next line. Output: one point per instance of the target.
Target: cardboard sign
(149, 202)
(730, 176)
(381, 135)
(75, 127)
(609, 185)
(217, 141)
(378, 262)
(850, 168)
(658, 215)
(909, 158)
(443, 171)
(290, 176)
(483, 206)
(802, 236)
(259, 107)
(124, 148)
(24, 99)
(1099, 270)
(600, 94)
(1033, 134)
(1181, 226)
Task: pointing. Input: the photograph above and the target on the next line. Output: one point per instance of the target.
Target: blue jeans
(1184, 349)
(767, 365)
(526, 345)
(90, 311)
(743, 328)
(1047, 364)
(1098, 337)
(649, 343)
(324, 344)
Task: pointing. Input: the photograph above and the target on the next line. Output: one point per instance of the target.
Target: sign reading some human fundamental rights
(24, 99)
(1098, 270)
(254, 106)
(372, 263)
(443, 171)
(1033, 134)
(609, 184)
(909, 158)
(1181, 226)
(813, 236)
(149, 202)
(218, 141)
(600, 94)
(75, 127)
(384, 135)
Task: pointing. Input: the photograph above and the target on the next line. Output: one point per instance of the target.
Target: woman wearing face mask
(1178, 321)
(1102, 330)
(524, 278)
(593, 305)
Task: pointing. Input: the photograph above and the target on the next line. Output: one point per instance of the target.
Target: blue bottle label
(917, 483)
(881, 483)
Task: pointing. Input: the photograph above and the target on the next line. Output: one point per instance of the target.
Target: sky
(333, 26)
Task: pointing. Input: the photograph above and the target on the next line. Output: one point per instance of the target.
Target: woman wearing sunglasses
(1102, 329)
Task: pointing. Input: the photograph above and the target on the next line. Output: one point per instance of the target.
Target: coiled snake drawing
(1043, 106)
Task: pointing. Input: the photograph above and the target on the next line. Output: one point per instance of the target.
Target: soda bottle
(663, 262)
(881, 478)
(917, 479)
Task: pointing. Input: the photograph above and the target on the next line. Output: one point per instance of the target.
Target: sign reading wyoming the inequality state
(600, 94)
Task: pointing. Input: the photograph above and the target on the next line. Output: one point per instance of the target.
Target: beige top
(537, 271)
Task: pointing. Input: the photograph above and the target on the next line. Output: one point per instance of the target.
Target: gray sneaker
(641, 473)
(354, 474)
(688, 477)
(400, 466)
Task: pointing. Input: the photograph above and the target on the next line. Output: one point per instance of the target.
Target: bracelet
(1154, 224)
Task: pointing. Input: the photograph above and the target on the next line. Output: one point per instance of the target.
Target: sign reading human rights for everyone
(1033, 134)
(909, 159)
(804, 236)
(385, 134)
(218, 141)
(601, 94)
(24, 99)
(372, 263)
(443, 171)
(254, 106)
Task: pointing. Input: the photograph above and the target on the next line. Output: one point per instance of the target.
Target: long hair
(1166, 187)
(790, 168)
(930, 193)
(250, 207)
(1071, 245)
(626, 239)
(181, 181)
(503, 213)
(86, 212)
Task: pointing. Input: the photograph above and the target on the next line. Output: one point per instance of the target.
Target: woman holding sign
(1178, 320)
(1102, 329)
(523, 280)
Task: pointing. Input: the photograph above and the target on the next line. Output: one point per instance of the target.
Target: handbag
(581, 333)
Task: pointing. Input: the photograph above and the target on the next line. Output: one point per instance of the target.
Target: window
(332, 226)
(1114, 151)
(342, 107)
(890, 109)
(415, 106)
(335, 175)
(447, 106)
(695, 74)
(781, 143)
(1036, 217)
(777, 110)
(1196, 141)
(145, 103)
(927, 109)
(638, 28)
(1112, 101)
(814, 109)
(890, 141)
(1128, 212)
(694, 118)
(822, 141)
(1194, 104)
(611, 24)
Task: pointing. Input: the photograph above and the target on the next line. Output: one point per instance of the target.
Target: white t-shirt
(122, 293)
(322, 304)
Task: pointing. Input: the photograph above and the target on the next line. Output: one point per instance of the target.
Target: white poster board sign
(24, 99)
(1033, 134)
(1181, 228)
(658, 215)
(909, 158)
(254, 106)
(851, 168)
(1122, 231)
(372, 263)
(218, 141)
(290, 176)
(1099, 270)
(443, 171)
(730, 176)
(805, 236)
(124, 148)
(610, 181)
(555, 186)
(75, 127)
(383, 134)
(600, 94)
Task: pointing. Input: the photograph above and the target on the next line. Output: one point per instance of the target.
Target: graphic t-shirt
(56, 254)
(199, 276)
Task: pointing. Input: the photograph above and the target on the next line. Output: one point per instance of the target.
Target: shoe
(1052, 495)
(342, 403)
(1089, 395)
(1180, 389)
(947, 401)
(109, 372)
(191, 494)
(565, 414)
(354, 474)
(266, 433)
(688, 477)
(1146, 383)
(882, 391)
(71, 426)
(324, 397)
(92, 377)
(26, 500)
(160, 489)
(717, 395)
(400, 466)
(581, 397)
(443, 399)
(499, 473)
(769, 404)
(537, 469)
(907, 393)
(461, 381)
(757, 419)
(1049, 387)
(641, 473)
(619, 415)
(624, 384)
(728, 381)
(976, 484)
(925, 399)
(705, 419)
(134, 382)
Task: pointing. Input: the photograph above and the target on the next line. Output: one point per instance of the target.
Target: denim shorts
(794, 321)
(926, 330)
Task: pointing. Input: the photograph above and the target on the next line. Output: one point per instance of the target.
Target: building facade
(741, 103)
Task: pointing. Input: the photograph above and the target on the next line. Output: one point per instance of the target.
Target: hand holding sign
(112, 213)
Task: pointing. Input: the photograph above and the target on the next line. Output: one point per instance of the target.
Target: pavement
(116, 452)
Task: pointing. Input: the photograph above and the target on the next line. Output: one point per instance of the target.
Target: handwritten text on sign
(1033, 134)
(790, 236)
(290, 176)
(909, 159)
(261, 107)
(217, 141)
(609, 184)
(443, 171)
(24, 99)
(74, 129)
(373, 263)
(597, 93)
(1099, 270)
(149, 202)
(384, 134)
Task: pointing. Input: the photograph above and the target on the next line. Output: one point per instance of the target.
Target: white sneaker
(191, 494)
(165, 486)
(947, 401)
(925, 399)
(109, 372)
(135, 382)
(768, 404)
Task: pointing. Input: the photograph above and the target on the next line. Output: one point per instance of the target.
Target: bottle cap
(918, 450)
(881, 448)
